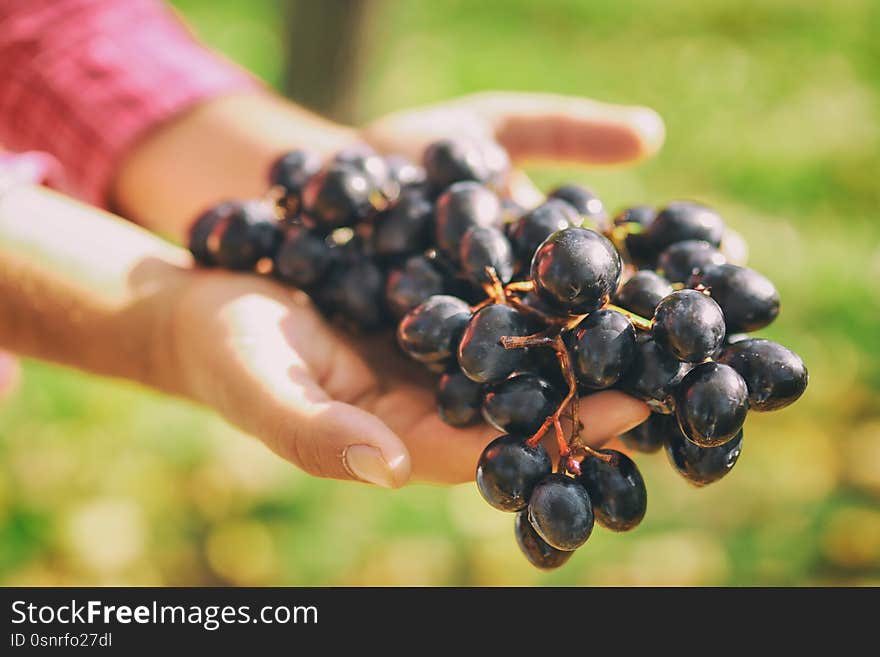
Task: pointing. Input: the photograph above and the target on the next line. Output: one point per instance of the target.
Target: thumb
(568, 128)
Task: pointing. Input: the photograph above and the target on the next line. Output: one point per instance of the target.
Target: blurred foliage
(772, 116)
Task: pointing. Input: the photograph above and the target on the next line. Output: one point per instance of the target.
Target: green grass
(772, 116)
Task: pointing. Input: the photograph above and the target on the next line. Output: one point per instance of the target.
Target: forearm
(80, 287)
(221, 149)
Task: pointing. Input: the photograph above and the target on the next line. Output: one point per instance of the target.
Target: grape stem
(638, 321)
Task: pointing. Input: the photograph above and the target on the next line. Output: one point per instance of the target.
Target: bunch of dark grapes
(521, 311)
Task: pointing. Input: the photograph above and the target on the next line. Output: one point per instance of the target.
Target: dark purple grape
(650, 435)
(406, 227)
(531, 229)
(303, 259)
(535, 548)
(711, 404)
(682, 260)
(560, 512)
(639, 249)
(576, 269)
(412, 285)
(641, 293)
(458, 399)
(404, 172)
(604, 348)
(520, 404)
(508, 471)
(203, 226)
(510, 212)
(430, 332)
(340, 195)
(461, 207)
(689, 324)
(291, 172)
(685, 220)
(363, 158)
(702, 465)
(775, 376)
(450, 161)
(653, 376)
(355, 293)
(247, 234)
(483, 247)
(748, 299)
(481, 355)
(616, 490)
(585, 202)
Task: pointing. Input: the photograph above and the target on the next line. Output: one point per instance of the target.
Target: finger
(570, 129)
(273, 393)
(608, 414)
(443, 454)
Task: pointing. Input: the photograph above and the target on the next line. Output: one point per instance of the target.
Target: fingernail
(367, 464)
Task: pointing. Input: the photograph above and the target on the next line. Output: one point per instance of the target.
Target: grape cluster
(522, 311)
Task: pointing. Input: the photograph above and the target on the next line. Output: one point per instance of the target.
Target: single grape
(247, 234)
(531, 229)
(775, 376)
(689, 324)
(650, 435)
(702, 465)
(604, 348)
(749, 300)
(363, 158)
(641, 293)
(405, 228)
(450, 161)
(430, 332)
(203, 226)
(576, 269)
(340, 195)
(685, 220)
(520, 404)
(560, 512)
(481, 355)
(616, 490)
(462, 206)
(585, 202)
(404, 172)
(303, 259)
(536, 550)
(355, 292)
(681, 260)
(483, 247)
(291, 172)
(711, 404)
(508, 471)
(412, 285)
(639, 249)
(653, 376)
(458, 399)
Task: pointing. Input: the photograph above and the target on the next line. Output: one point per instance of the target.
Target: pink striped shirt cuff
(83, 80)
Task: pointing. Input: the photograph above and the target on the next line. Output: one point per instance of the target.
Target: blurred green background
(773, 115)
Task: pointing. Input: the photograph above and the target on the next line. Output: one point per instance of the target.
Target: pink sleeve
(85, 79)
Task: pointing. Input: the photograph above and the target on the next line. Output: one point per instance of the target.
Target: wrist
(222, 148)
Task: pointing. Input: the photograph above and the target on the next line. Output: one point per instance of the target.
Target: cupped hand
(334, 405)
(352, 407)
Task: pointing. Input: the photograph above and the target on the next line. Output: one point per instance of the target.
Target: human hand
(334, 405)
(532, 128)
